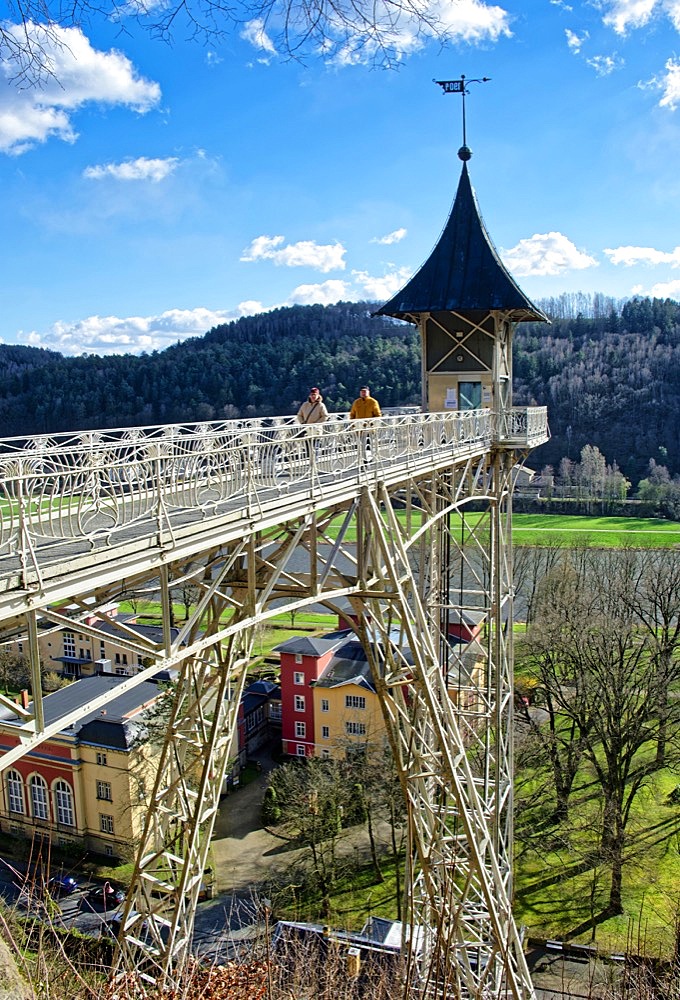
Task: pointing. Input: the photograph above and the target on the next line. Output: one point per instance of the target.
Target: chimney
(24, 698)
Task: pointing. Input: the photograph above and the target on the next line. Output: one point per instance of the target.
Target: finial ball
(464, 153)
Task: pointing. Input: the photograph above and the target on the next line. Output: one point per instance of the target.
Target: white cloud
(306, 253)
(629, 256)
(324, 294)
(666, 290)
(673, 11)
(255, 33)
(574, 41)
(470, 21)
(378, 289)
(141, 169)
(133, 334)
(604, 65)
(624, 14)
(670, 84)
(544, 254)
(394, 237)
(80, 75)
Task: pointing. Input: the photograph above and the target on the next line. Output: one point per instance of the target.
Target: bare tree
(33, 30)
(593, 658)
(312, 797)
(653, 595)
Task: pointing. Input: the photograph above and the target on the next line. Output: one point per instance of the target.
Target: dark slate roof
(154, 633)
(463, 272)
(110, 726)
(312, 645)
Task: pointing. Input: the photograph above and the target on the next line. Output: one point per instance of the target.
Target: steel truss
(411, 558)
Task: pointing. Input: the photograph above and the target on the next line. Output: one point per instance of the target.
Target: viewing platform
(103, 503)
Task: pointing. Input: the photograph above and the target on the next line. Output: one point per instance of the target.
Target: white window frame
(299, 703)
(300, 730)
(298, 657)
(298, 677)
(355, 701)
(355, 728)
(15, 793)
(105, 823)
(325, 732)
(63, 800)
(69, 640)
(325, 753)
(101, 759)
(104, 790)
(39, 800)
(325, 705)
(300, 751)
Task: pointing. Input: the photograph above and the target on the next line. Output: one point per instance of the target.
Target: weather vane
(460, 87)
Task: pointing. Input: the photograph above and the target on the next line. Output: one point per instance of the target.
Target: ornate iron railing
(93, 484)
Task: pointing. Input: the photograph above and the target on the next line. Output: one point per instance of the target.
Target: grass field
(564, 529)
(598, 532)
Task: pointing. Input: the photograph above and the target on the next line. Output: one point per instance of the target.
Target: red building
(303, 660)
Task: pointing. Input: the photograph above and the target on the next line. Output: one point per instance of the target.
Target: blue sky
(155, 190)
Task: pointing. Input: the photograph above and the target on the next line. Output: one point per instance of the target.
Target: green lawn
(561, 887)
(599, 532)
(564, 529)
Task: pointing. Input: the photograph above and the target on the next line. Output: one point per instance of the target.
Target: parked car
(105, 897)
(61, 885)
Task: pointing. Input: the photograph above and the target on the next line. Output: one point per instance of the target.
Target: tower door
(469, 395)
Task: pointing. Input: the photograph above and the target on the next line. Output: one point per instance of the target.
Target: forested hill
(611, 379)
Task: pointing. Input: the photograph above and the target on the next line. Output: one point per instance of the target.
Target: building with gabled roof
(88, 785)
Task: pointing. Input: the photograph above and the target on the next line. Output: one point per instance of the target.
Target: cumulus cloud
(133, 334)
(666, 290)
(307, 253)
(395, 237)
(545, 254)
(325, 294)
(254, 32)
(621, 15)
(141, 169)
(79, 75)
(574, 41)
(670, 84)
(629, 256)
(378, 289)
(470, 21)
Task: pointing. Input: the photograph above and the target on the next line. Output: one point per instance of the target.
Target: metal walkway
(262, 515)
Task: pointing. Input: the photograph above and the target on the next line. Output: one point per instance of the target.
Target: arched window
(63, 798)
(38, 788)
(15, 792)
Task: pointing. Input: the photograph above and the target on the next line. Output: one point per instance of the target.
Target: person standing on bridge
(365, 406)
(313, 410)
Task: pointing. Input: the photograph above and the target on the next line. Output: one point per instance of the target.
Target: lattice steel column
(451, 747)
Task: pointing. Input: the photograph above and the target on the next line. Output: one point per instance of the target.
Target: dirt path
(244, 854)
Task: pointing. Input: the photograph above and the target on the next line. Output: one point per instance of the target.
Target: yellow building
(346, 709)
(76, 652)
(347, 714)
(89, 784)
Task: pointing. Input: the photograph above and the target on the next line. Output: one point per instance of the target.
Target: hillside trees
(608, 385)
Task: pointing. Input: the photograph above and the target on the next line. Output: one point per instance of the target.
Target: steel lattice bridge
(407, 519)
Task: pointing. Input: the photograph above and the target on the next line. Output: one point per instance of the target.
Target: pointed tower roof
(464, 272)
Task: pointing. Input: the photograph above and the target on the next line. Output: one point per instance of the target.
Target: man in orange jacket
(365, 406)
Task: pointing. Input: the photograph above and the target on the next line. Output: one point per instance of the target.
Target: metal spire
(460, 87)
